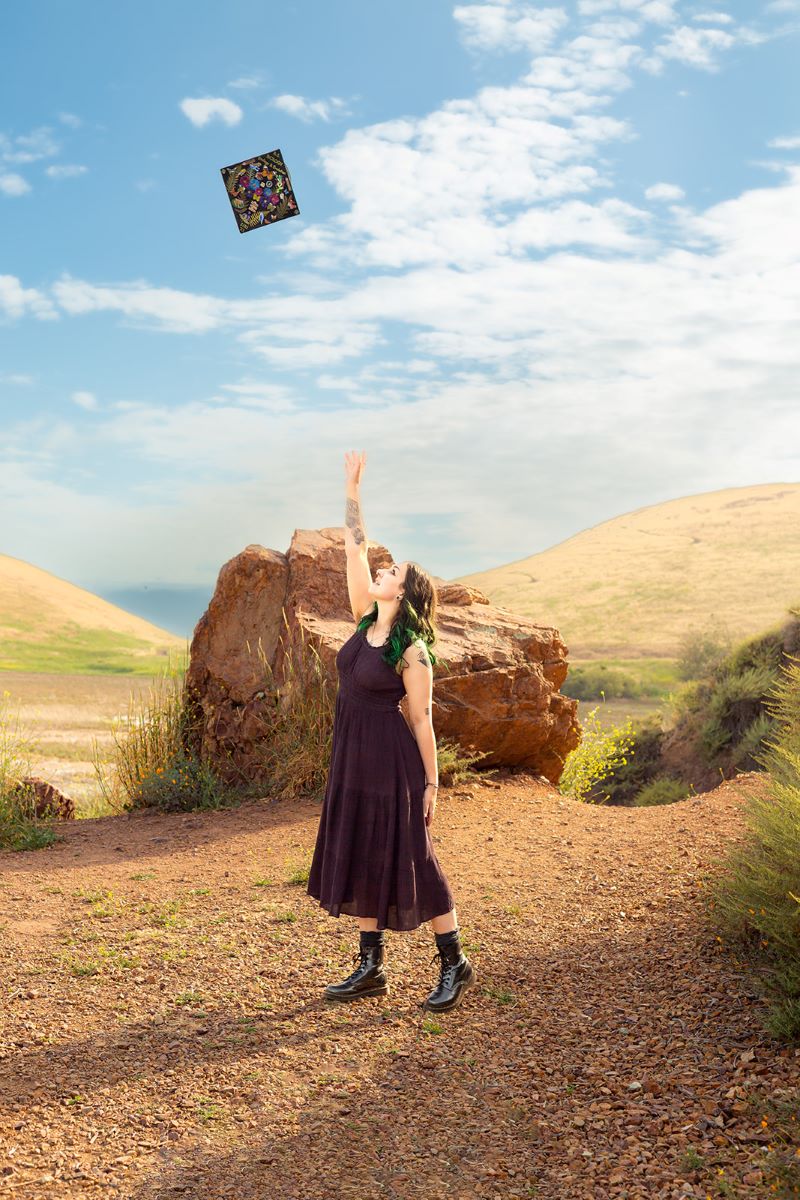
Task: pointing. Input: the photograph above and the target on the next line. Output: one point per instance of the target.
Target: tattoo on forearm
(352, 519)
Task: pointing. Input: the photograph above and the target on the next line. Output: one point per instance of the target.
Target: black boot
(456, 976)
(369, 977)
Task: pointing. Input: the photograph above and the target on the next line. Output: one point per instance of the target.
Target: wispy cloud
(85, 400)
(211, 108)
(710, 18)
(29, 147)
(65, 171)
(18, 379)
(310, 110)
(701, 48)
(246, 82)
(664, 191)
(68, 118)
(784, 143)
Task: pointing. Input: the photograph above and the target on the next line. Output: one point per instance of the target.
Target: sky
(546, 270)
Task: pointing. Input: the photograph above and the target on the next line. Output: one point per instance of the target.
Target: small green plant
(20, 827)
(594, 761)
(664, 789)
(691, 1160)
(181, 784)
(300, 875)
(432, 1026)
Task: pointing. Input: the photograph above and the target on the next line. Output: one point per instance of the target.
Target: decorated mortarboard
(260, 191)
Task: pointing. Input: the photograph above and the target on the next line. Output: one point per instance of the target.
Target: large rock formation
(499, 693)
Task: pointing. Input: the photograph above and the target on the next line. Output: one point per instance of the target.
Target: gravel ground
(163, 1031)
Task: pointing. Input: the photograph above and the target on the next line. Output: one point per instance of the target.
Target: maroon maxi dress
(373, 856)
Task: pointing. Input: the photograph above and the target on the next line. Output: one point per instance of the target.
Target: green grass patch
(76, 651)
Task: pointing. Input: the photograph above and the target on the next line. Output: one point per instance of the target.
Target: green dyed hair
(415, 620)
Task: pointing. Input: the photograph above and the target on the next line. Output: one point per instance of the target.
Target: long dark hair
(415, 619)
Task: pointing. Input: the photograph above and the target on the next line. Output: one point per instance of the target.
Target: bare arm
(359, 577)
(355, 538)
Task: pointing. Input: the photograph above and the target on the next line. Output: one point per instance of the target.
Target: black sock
(447, 939)
(372, 937)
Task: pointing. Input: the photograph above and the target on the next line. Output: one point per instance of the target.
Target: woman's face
(389, 581)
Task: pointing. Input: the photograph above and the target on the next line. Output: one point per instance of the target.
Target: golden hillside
(47, 624)
(631, 586)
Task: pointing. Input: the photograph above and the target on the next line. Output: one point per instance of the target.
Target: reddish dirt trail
(199, 1060)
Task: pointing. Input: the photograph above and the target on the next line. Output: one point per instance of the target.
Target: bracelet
(433, 785)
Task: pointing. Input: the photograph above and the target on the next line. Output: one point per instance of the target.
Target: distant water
(176, 609)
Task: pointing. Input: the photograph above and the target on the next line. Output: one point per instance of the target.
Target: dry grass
(63, 715)
(635, 584)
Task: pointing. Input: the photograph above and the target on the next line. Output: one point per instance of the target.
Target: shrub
(721, 723)
(181, 784)
(152, 765)
(590, 765)
(642, 763)
(664, 789)
(734, 704)
(597, 680)
(20, 828)
(702, 650)
(756, 897)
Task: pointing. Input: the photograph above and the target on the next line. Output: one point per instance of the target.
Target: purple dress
(374, 856)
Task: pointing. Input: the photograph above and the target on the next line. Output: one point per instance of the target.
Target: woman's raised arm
(355, 537)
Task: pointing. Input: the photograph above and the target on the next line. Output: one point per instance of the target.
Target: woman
(374, 859)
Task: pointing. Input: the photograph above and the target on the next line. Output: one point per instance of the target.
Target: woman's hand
(354, 464)
(430, 802)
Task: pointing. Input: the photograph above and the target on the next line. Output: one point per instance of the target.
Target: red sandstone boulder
(500, 694)
(48, 800)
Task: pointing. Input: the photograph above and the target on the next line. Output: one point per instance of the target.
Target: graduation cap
(260, 191)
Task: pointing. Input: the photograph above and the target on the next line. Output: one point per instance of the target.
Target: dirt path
(199, 1060)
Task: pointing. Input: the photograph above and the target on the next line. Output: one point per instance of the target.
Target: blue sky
(546, 270)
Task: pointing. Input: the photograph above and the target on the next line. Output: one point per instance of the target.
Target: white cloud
(509, 26)
(784, 143)
(664, 191)
(310, 110)
(246, 82)
(699, 48)
(201, 111)
(18, 379)
(29, 147)
(165, 308)
(12, 184)
(661, 12)
(68, 118)
(18, 301)
(710, 18)
(86, 400)
(65, 171)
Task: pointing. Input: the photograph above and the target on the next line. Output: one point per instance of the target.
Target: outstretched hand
(354, 463)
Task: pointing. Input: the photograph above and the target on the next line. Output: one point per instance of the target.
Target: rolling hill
(631, 586)
(47, 624)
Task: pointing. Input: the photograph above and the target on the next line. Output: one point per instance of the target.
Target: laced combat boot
(369, 977)
(455, 977)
